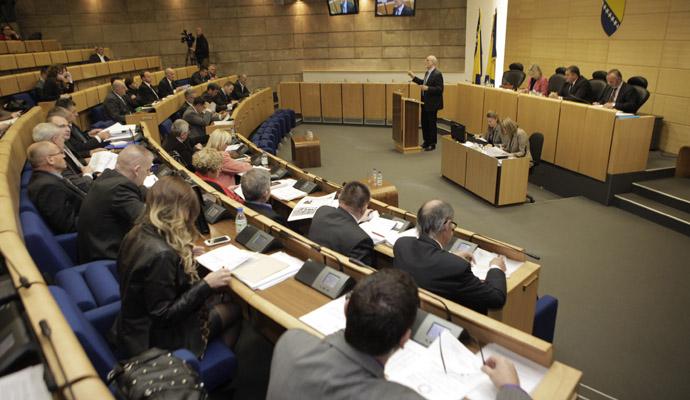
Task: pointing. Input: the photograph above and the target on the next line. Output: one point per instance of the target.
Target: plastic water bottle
(310, 135)
(372, 177)
(264, 160)
(379, 178)
(240, 220)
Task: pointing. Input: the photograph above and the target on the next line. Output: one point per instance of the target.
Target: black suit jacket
(197, 79)
(239, 92)
(336, 229)
(202, 49)
(579, 91)
(73, 171)
(57, 201)
(83, 143)
(266, 210)
(107, 213)
(627, 99)
(95, 59)
(165, 88)
(181, 151)
(147, 94)
(432, 98)
(222, 100)
(116, 107)
(448, 275)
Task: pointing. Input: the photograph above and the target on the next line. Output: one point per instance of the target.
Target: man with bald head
(432, 97)
(115, 201)
(116, 105)
(147, 94)
(167, 85)
(79, 174)
(56, 198)
(448, 274)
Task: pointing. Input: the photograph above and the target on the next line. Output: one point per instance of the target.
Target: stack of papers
(211, 107)
(393, 236)
(118, 131)
(228, 256)
(495, 152)
(379, 229)
(482, 258)
(102, 160)
(293, 266)
(306, 208)
(259, 271)
(329, 318)
(284, 190)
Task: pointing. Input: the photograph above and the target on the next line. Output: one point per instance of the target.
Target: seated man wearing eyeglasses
(447, 274)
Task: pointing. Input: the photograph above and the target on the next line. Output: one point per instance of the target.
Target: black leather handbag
(156, 374)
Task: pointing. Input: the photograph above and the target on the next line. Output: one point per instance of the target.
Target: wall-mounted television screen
(343, 7)
(395, 8)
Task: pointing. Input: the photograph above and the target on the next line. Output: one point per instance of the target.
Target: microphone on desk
(47, 332)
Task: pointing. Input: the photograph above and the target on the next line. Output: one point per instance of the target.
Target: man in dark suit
(112, 205)
(446, 274)
(115, 104)
(98, 56)
(81, 143)
(199, 76)
(210, 94)
(199, 118)
(223, 99)
(401, 9)
(167, 85)
(338, 228)
(432, 96)
(619, 95)
(77, 171)
(256, 188)
(577, 87)
(179, 146)
(201, 49)
(56, 198)
(189, 96)
(240, 90)
(147, 94)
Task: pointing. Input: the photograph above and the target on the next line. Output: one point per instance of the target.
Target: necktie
(426, 76)
(614, 93)
(74, 187)
(73, 158)
(154, 92)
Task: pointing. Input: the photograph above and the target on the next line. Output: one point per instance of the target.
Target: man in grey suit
(350, 364)
(199, 118)
(115, 104)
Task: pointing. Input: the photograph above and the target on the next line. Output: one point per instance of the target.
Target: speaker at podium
(406, 113)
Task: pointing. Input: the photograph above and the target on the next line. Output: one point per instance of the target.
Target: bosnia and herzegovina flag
(612, 15)
(477, 68)
(491, 63)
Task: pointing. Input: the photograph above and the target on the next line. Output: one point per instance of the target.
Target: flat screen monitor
(343, 7)
(395, 8)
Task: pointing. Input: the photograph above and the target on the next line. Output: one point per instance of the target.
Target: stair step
(674, 192)
(655, 211)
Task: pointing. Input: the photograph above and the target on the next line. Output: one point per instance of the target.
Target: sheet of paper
(329, 318)
(482, 258)
(211, 107)
(379, 228)
(294, 264)
(306, 207)
(529, 372)
(233, 147)
(24, 384)
(102, 160)
(150, 180)
(287, 193)
(259, 270)
(393, 236)
(494, 152)
(227, 256)
(119, 132)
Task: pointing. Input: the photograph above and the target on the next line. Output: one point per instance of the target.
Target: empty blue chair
(165, 129)
(25, 203)
(545, 318)
(26, 97)
(26, 175)
(90, 286)
(98, 113)
(68, 241)
(44, 248)
(182, 82)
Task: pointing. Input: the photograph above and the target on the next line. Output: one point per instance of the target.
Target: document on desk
(24, 384)
(329, 318)
(306, 207)
(294, 265)
(102, 160)
(379, 228)
(227, 256)
(422, 368)
(285, 191)
(482, 258)
(529, 372)
(211, 107)
(259, 270)
(393, 236)
(118, 131)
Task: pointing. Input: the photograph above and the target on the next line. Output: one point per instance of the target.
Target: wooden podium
(406, 124)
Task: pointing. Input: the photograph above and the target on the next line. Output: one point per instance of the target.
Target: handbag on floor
(156, 374)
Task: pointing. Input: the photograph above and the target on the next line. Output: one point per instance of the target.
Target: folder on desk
(259, 270)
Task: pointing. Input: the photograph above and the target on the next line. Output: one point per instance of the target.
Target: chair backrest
(30, 102)
(560, 71)
(638, 81)
(598, 88)
(165, 129)
(545, 318)
(42, 245)
(556, 82)
(642, 94)
(683, 162)
(97, 114)
(96, 347)
(536, 143)
(516, 67)
(514, 77)
(599, 75)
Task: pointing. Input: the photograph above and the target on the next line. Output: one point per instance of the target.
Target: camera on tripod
(186, 37)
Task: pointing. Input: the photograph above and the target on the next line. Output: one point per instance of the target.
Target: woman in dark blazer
(165, 302)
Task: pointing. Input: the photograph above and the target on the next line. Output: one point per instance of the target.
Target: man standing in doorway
(432, 97)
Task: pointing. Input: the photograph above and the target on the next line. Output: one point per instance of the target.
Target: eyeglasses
(453, 224)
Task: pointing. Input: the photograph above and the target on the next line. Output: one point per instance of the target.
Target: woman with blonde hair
(537, 81)
(208, 163)
(515, 141)
(165, 302)
(220, 140)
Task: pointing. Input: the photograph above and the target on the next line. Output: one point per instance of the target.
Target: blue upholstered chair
(165, 129)
(545, 318)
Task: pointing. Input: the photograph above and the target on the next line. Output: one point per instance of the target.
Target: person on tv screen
(348, 7)
(401, 9)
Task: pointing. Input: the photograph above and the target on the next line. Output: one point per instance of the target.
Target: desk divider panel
(631, 139)
(15, 46)
(353, 103)
(502, 101)
(33, 46)
(331, 103)
(51, 45)
(42, 58)
(102, 68)
(74, 56)
(58, 57)
(374, 103)
(450, 102)
(27, 81)
(114, 67)
(570, 135)
(7, 62)
(540, 114)
(88, 70)
(596, 142)
(8, 85)
(25, 60)
(471, 107)
(310, 95)
(289, 96)
(3, 47)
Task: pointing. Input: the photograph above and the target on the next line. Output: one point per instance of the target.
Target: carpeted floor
(621, 280)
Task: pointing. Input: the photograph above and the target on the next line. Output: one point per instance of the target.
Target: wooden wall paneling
(289, 96)
(540, 114)
(571, 126)
(332, 103)
(596, 142)
(374, 103)
(450, 102)
(390, 88)
(353, 103)
(470, 106)
(310, 95)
